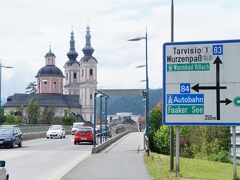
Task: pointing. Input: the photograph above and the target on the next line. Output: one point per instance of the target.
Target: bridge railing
(113, 132)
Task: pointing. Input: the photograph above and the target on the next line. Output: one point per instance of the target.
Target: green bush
(221, 156)
(69, 120)
(161, 140)
(56, 120)
(12, 120)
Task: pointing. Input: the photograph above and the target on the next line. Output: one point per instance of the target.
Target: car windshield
(5, 131)
(55, 127)
(77, 125)
(84, 130)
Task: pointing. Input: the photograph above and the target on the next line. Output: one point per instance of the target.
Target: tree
(31, 88)
(33, 111)
(48, 115)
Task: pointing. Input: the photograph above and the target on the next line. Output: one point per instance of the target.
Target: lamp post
(147, 82)
(1, 66)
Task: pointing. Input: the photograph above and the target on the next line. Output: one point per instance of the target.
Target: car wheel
(47, 137)
(75, 142)
(12, 144)
(64, 136)
(20, 143)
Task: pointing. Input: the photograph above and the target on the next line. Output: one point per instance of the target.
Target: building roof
(56, 100)
(50, 54)
(49, 70)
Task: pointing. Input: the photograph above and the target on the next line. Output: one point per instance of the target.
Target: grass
(158, 168)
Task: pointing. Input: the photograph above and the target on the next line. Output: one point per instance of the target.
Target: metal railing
(106, 135)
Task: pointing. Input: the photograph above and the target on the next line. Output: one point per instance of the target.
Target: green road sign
(185, 109)
(188, 67)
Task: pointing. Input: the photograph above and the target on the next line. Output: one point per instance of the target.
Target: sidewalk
(123, 160)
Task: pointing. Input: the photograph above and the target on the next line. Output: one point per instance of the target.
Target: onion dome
(72, 54)
(88, 50)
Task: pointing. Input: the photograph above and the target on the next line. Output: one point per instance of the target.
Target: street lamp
(1, 66)
(147, 86)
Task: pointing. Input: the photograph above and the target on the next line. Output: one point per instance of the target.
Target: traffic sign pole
(171, 128)
(177, 149)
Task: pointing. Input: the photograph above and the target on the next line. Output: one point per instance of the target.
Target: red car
(83, 134)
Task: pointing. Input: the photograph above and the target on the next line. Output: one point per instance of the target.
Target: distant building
(74, 93)
(121, 117)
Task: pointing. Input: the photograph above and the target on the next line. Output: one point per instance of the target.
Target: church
(70, 92)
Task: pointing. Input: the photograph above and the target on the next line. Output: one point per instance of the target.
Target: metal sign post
(177, 149)
(234, 152)
(171, 128)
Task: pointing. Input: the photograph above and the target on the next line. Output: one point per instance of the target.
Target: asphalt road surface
(43, 159)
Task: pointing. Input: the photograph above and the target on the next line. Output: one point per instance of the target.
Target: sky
(27, 27)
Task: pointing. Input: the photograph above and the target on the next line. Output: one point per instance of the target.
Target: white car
(76, 126)
(56, 131)
(3, 172)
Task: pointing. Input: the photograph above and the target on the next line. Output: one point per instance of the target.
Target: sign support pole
(177, 150)
(234, 152)
(171, 128)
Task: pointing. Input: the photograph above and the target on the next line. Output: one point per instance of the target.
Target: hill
(134, 104)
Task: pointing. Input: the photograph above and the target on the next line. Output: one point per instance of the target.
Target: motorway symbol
(217, 88)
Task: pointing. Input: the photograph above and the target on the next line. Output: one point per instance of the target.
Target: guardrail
(35, 128)
(38, 131)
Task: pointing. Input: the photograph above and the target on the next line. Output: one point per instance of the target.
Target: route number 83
(217, 49)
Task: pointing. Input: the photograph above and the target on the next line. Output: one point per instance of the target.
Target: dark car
(10, 136)
(120, 128)
(107, 130)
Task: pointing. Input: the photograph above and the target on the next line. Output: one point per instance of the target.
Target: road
(47, 159)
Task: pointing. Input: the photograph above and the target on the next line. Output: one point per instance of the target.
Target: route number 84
(185, 88)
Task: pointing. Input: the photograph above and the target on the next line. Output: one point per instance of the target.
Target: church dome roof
(49, 70)
(50, 54)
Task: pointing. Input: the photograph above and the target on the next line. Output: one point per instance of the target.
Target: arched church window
(82, 72)
(54, 85)
(74, 75)
(91, 72)
(90, 96)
